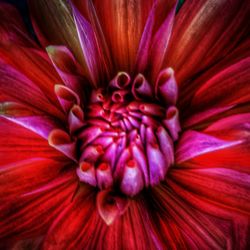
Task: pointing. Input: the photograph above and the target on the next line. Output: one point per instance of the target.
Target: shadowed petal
(12, 29)
(54, 25)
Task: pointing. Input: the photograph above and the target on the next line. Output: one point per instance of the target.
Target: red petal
(206, 34)
(18, 144)
(25, 176)
(198, 228)
(43, 75)
(31, 216)
(229, 87)
(122, 23)
(226, 188)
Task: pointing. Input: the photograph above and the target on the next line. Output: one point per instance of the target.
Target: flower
(130, 131)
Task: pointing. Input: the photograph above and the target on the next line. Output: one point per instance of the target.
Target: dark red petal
(84, 228)
(196, 227)
(31, 215)
(12, 29)
(229, 87)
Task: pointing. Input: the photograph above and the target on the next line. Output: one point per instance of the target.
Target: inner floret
(126, 138)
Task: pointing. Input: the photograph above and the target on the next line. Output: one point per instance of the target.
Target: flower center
(128, 138)
(125, 132)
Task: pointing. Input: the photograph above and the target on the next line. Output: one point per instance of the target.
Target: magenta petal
(166, 146)
(166, 88)
(104, 176)
(89, 46)
(141, 87)
(172, 122)
(160, 43)
(86, 173)
(39, 123)
(132, 180)
(75, 118)
(194, 143)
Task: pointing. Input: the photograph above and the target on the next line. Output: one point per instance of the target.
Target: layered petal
(229, 87)
(204, 36)
(31, 215)
(17, 87)
(192, 226)
(19, 144)
(86, 229)
(232, 127)
(23, 59)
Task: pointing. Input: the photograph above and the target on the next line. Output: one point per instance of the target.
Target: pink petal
(193, 144)
(39, 123)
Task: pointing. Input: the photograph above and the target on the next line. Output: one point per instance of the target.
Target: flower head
(127, 127)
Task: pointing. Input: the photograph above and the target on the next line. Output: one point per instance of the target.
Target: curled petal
(141, 87)
(62, 142)
(75, 118)
(119, 96)
(67, 97)
(110, 206)
(121, 81)
(172, 122)
(166, 88)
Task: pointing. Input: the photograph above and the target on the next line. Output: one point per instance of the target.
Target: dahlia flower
(127, 126)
